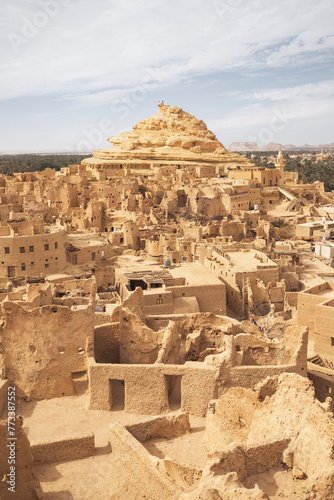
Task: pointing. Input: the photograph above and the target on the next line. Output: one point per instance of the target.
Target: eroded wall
(43, 347)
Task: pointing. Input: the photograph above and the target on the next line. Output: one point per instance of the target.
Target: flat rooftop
(325, 290)
(194, 273)
(247, 261)
(86, 240)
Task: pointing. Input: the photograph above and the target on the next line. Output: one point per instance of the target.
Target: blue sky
(73, 72)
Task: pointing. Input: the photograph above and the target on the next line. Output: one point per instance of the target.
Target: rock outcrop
(171, 134)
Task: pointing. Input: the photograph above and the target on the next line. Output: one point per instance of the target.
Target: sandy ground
(100, 476)
(187, 449)
(68, 416)
(279, 483)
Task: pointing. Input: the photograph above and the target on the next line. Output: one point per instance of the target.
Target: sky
(75, 72)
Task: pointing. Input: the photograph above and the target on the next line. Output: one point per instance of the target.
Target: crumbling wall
(3, 395)
(138, 343)
(26, 484)
(138, 462)
(106, 343)
(258, 297)
(43, 347)
(169, 426)
(283, 406)
(292, 349)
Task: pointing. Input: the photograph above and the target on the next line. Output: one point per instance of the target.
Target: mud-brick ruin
(167, 324)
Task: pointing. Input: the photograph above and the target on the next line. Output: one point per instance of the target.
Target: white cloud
(92, 52)
(297, 120)
(98, 53)
(319, 90)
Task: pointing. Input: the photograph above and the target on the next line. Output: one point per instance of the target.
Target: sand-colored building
(236, 268)
(29, 248)
(186, 288)
(264, 177)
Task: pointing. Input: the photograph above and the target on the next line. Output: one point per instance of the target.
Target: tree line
(9, 164)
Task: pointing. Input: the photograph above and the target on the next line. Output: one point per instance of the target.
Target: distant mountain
(272, 146)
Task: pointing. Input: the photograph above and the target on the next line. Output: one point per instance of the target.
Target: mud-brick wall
(322, 381)
(306, 311)
(292, 299)
(27, 485)
(324, 331)
(146, 390)
(43, 347)
(211, 298)
(106, 343)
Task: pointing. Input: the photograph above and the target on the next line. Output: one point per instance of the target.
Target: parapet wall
(74, 448)
(248, 460)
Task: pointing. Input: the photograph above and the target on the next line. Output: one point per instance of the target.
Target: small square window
(31, 248)
(32, 263)
(22, 250)
(23, 267)
(160, 301)
(46, 246)
(7, 250)
(46, 265)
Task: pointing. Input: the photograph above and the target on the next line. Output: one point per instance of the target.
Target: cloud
(297, 120)
(94, 52)
(319, 90)
(233, 60)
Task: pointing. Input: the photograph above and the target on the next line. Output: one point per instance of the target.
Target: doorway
(173, 385)
(11, 271)
(117, 389)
